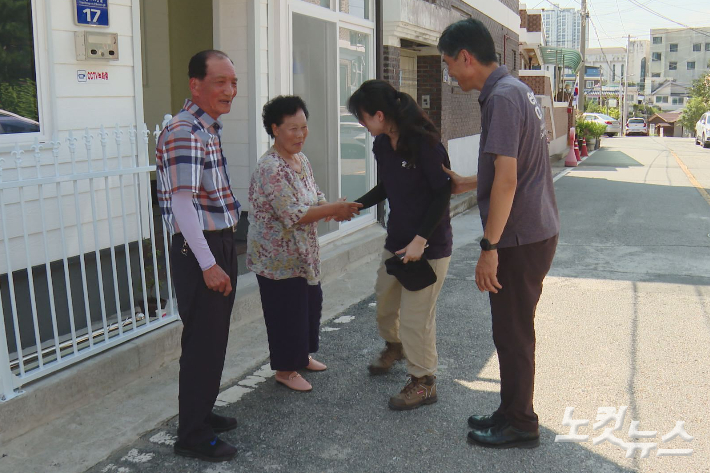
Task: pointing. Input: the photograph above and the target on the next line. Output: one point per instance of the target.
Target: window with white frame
(677, 100)
(19, 111)
(673, 47)
(696, 47)
(673, 65)
(657, 40)
(661, 99)
(691, 65)
(332, 54)
(655, 56)
(358, 8)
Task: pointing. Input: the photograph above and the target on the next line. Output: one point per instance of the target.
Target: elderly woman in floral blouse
(282, 245)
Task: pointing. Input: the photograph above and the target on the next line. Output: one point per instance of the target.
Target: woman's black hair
(473, 36)
(282, 106)
(411, 121)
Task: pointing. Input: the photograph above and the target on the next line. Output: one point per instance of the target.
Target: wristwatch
(486, 244)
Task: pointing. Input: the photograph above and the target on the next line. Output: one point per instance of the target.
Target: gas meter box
(95, 45)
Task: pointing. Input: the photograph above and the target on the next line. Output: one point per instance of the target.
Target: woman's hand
(324, 202)
(460, 184)
(413, 251)
(345, 210)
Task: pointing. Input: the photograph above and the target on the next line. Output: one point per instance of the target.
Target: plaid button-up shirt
(189, 157)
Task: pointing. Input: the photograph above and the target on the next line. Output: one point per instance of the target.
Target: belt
(232, 229)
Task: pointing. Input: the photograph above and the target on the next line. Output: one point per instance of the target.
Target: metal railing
(85, 256)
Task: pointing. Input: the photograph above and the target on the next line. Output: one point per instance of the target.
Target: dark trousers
(205, 316)
(521, 270)
(292, 311)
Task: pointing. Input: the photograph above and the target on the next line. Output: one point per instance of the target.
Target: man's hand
(461, 184)
(487, 271)
(217, 280)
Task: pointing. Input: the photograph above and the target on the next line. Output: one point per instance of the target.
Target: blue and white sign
(91, 12)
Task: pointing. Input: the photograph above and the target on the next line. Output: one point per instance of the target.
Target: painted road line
(691, 178)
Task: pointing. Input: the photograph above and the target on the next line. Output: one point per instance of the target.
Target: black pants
(292, 311)
(205, 316)
(521, 270)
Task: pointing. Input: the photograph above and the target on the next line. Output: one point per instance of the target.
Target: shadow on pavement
(344, 424)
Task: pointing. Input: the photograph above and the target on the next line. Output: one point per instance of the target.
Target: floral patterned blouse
(277, 246)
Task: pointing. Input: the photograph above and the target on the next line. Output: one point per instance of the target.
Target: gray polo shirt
(513, 124)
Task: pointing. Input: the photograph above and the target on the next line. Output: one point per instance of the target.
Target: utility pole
(582, 47)
(601, 89)
(626, 87)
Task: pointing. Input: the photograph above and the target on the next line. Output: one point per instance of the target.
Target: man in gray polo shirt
(520, 224)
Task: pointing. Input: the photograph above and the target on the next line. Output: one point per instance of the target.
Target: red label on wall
(86, 76)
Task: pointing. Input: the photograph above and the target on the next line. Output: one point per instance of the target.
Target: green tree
(18, 90)
(699, 102)
(644, 110)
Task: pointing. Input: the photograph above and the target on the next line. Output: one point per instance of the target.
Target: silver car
(613, 127)
(636, 126)
(702, 131)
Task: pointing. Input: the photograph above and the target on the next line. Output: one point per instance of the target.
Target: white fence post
(43, 324)
(7, 385)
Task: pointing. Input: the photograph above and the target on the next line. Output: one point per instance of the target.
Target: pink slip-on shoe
(315, 365)
(295, 381)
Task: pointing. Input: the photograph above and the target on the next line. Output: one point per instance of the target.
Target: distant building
(681, 54)
(611, 62)
(563, 27)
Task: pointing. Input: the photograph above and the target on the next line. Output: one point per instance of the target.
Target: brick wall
(534, 22)
(391, 67)
(429, 83)
(537, 84)
(548, 123)
(512, 4)
(523, 18)
(561, 121)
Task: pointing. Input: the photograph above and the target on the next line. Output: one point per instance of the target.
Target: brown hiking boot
(417, 392)
(382, 364)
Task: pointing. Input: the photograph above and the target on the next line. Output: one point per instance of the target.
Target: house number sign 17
(91, 12)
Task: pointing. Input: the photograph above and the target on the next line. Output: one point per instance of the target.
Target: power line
(652, 11)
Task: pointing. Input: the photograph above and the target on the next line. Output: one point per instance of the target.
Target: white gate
(83, 256)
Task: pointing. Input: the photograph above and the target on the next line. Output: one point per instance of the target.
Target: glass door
(314, 57)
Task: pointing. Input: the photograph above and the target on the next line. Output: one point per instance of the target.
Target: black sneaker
(221, 424)
(485, 422)
(215, 450)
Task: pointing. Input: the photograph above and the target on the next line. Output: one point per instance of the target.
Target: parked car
(613, 127)
(702, 131)
(13, 123)
(636, 126)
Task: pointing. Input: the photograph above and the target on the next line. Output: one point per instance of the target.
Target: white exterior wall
(684, 38)
(66, 104)
(243, 137)
(606, 59)
(463, 160)
(637, 52)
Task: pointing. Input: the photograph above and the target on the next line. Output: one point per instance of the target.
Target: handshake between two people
(342, 210)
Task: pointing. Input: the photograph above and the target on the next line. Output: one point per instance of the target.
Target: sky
(612, 20)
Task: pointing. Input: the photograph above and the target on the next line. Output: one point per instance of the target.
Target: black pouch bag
(414, 276)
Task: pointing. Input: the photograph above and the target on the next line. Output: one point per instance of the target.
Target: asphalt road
(624, 320)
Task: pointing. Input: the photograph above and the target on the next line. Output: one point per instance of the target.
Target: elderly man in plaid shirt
(201, 212)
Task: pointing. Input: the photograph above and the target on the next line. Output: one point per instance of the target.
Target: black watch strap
(486, 244)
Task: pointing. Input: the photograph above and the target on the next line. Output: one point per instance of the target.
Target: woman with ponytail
(409, 156)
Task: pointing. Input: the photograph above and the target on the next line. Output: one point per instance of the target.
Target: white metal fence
(84, 258)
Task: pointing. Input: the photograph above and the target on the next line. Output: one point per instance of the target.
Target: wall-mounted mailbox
(95, 45)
